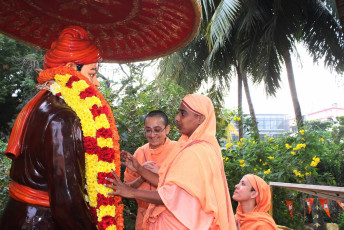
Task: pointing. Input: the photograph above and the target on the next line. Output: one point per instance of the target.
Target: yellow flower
(241, 139)
(102, 122)
(253, 142)
(266, 136)
(299, 146)
(321, 140)
(303, 139)
(102, 142)
(315, 161)
(293, 153)
(267, 171)
(228, 145)
(308, 173)
(106, 211)
(241, 161)
(298, 174)
(240, 144)
(62, 79)
(242, 165)
(271, 158)
(288, 146)
(302, 132)
(80, 86)
(270, 139)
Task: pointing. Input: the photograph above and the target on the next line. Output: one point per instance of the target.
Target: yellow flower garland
(70, 88)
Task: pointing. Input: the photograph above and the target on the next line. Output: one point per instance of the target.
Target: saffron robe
(144, 154)
(259, 218)
(192, 182)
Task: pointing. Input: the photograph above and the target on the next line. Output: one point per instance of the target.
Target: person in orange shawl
(150, 155)
(192, 188)
(254, 198)
(49, 141)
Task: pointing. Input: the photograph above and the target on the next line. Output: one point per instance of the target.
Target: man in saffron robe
(192, 188)
(46, 145)
(254, 197)
(155, 151)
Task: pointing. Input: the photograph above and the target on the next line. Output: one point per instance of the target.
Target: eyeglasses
(154, 131)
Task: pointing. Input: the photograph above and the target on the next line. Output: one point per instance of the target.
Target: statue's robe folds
(51, 160)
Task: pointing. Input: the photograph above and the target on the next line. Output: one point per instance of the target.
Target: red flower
(106, 222)
(71, 80)
(58, 94)
(105, 133)
(101, 178)
(88, 92)
(90, 145)
(106, 154)
(96, 111)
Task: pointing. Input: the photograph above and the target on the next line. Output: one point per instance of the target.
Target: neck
(248, 205)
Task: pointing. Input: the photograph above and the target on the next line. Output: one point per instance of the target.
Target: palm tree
(269, 31)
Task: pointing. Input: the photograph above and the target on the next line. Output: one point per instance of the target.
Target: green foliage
(338, 130)
(304, 157)
(5, 164)
(136, 101)
(17, 82)
(341, 223)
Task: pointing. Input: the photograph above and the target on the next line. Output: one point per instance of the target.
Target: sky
(317, 88)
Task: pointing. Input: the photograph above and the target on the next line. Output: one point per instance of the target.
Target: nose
(177, 118)
(236, 186)
(95, 81)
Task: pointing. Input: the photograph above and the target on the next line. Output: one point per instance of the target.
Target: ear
(200, 118)
(254, 194)
(167, 129)
(71, 65)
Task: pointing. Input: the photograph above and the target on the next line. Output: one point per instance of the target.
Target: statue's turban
(73, 45)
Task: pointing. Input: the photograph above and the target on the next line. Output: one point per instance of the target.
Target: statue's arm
(64, 150)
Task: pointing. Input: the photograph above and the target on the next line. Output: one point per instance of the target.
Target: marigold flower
(267, 171)
(302, 132)
(288, 146)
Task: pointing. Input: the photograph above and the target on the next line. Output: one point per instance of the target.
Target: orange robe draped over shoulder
(144, 154)
(259, 218)
(192, 182)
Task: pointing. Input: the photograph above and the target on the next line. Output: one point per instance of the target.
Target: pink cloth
(176, 199)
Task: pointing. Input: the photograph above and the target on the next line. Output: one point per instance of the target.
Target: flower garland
(100, 139)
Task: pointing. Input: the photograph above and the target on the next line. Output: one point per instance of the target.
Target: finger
(116, 177)
(111, 186)
(111, 180)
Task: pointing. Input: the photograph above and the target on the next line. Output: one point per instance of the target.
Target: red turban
(73, 45)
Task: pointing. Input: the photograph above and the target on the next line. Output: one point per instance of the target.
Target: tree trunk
(292, 87)
(340, 8)
(250, 105)
(240, 113)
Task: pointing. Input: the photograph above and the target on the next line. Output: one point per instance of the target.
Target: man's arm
(123, 190)
(131, 162)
